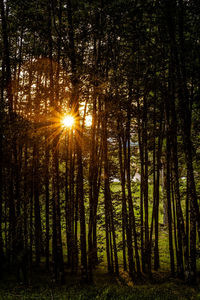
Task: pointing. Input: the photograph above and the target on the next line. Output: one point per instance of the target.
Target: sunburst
(67, 121)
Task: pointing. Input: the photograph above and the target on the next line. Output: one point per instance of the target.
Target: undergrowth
(104, 287)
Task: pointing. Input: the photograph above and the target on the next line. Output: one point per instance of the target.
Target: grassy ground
(105, 286)
(159, 286)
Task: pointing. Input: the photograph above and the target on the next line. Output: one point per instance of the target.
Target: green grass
(105, 287)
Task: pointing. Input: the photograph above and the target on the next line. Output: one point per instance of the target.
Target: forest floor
(106, 286)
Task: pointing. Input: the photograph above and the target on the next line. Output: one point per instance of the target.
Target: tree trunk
(110, 230)
(6, 53)
(132, 224)
(125, 229)
(141, 148)
(1, 164)
(168, 190)
(157, 191)
(47, 202)
(145, 189)
(38, 227)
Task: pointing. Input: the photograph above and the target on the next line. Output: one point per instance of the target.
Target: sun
(67, 121)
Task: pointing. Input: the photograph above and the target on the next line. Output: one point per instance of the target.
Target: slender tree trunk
(70, 201)
(1, 197)
(145, 184)
(175, 225)
(193, 254)
(82, 214)
(76, 217)
(47, 202)
(130, 201)
(31, 219)
(25, 206)
(6, 53)
(108, 201)
(6, 62)
(141, 148)
(1, 163)
(107, 218)
(58, 263)
(58, 219)
(67, 197)
(157, 192)
(154, 175)
(168, 190)
(92, 168)
(187, 204)
(38, 227)
(125, 229)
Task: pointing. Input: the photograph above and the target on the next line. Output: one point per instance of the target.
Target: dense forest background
(120, 187)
